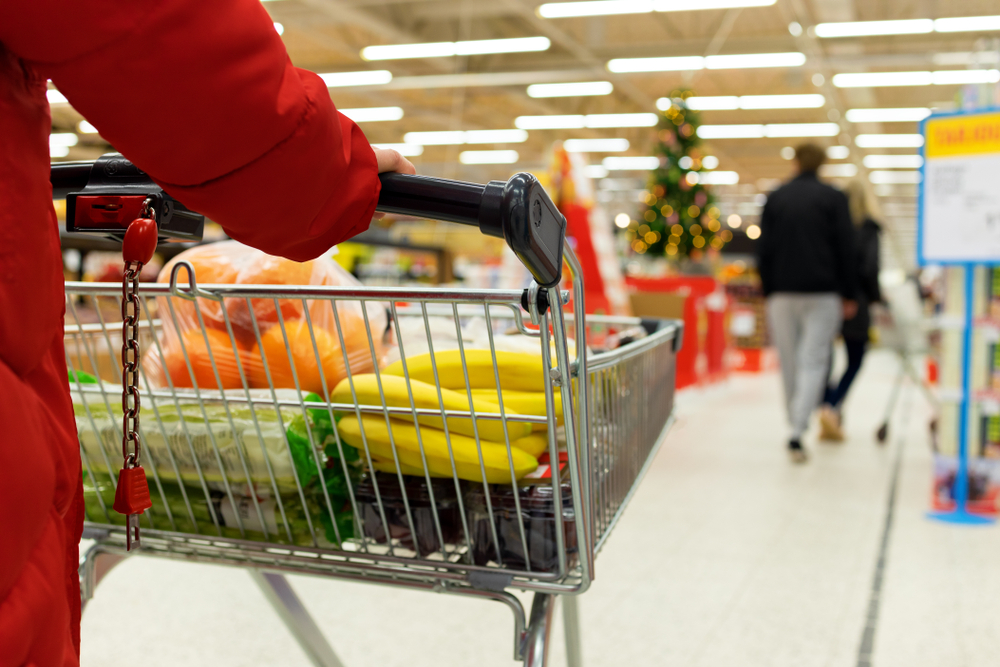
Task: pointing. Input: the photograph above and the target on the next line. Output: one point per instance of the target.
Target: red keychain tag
(132, 494)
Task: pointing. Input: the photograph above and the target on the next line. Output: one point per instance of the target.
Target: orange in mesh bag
(232, 262)
(274, 354)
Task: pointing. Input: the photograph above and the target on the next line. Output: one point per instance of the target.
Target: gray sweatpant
(803, 327)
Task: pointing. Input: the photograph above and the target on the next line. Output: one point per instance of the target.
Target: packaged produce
(465, 450)
(396, 394)
(421, 506)
(218, 461)
(538, 517)
(267, 336)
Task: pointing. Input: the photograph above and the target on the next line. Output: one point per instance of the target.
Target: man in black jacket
(806, 259)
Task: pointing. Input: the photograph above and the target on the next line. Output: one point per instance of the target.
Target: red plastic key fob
(132, 494)
(140, 241)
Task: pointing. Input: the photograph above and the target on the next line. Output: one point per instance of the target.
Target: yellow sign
(962, 135)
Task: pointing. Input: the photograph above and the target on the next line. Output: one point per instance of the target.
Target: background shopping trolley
(461, 441)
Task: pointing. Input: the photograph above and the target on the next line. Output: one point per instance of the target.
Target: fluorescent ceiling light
(367, 78)
(963, 76)
(718, 177)
(889, 140)
(553, 10)
(373, 114)
(668, 64)
(841, 170)
(754, 131)
(596, 145)
(58, 151)
(887, 115)
(865, 28)
(692, 63)
(446, 49)
(550, 122)
(495, 136)
(406, 150)
(748, 60)
(873, 79)
(557, 10)
(731, 131)
(86, 128)
(968, 24)
(940, 78)
(488, 157)
(580, 89)
(686, 5)
(579, 121)
(596, 170)
(596, 120)
(811, 101)
(63, 139)
(801, 130)
(892, 177)
(715, 103)
(278, 28)
(457, 137)
(710, 162)
(644, 163)
(55, 97)
(445, 138)
(893, 161)
(727, 102)
(835, 152)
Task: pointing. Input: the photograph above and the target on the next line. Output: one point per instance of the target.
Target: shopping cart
(903, 329)
(233, 484)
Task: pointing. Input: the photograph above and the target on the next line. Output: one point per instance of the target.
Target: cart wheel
(882, 433)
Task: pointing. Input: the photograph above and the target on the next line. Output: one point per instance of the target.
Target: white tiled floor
(728, 555)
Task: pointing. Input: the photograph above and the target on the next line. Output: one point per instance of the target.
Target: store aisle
(728, 555)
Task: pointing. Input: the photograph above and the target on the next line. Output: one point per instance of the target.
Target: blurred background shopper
(854, 330)
(806, 258)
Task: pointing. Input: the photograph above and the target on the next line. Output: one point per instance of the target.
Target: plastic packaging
(273, 342)
(538, 517)
(419, 500)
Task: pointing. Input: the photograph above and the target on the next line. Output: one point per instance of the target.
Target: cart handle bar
(518, 210)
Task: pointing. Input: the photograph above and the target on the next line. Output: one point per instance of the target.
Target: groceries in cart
(278, 418)
(287, 343)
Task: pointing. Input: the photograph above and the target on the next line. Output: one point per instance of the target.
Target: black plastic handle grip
(518, 210)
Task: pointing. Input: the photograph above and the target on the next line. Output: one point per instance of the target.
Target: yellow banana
(523, 402)
(425, 396)
(386, 465)
(520, 371)
(435, 445)
(535, 444)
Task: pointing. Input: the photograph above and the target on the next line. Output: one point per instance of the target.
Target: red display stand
(702, 357)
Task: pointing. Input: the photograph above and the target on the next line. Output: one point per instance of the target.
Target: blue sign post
(958, 224)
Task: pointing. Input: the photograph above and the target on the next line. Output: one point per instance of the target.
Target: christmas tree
(680, 219)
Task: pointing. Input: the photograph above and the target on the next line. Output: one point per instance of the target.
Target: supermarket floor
(728, 555)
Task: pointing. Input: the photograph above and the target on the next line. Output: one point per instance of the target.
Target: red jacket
(201, 96)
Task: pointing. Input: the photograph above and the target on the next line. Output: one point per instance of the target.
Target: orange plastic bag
(262, 328)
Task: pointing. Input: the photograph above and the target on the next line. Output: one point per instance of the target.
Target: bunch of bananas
(521, 390)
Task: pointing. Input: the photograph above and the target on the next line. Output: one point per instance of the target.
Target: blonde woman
(855, 329)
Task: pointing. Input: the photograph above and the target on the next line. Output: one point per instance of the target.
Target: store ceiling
(489, 91)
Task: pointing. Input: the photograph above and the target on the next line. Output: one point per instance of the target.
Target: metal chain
(130, 355)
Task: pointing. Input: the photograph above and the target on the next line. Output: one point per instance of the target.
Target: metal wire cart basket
(461, 441)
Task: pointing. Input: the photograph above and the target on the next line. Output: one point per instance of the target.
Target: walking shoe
(796, 453)
(829, 425)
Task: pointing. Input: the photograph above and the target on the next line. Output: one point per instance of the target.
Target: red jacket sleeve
(203, 97)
